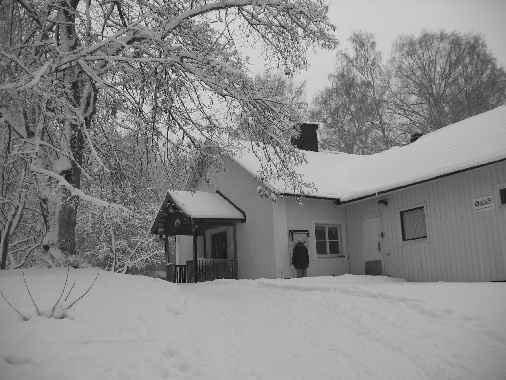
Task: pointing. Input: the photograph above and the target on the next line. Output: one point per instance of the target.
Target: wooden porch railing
(180, 274)
(207, 270)
(211, 269)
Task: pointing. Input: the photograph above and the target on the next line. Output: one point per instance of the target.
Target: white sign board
(483, 203)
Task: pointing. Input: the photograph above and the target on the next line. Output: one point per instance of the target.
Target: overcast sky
(387, 19)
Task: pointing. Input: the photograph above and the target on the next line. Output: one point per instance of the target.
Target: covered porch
(204, 225)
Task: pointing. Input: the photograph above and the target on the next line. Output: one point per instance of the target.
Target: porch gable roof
(205, 205)
(181, 210)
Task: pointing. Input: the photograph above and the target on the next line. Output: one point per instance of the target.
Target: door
(219, 245)
(371, 247)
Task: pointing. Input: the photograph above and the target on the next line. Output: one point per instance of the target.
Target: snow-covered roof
(475, 141)
(205, 205)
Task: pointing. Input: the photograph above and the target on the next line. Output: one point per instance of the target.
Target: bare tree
(354, 107)
(441, 78)
(20, 215)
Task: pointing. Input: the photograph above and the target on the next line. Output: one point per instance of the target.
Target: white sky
(387, 19)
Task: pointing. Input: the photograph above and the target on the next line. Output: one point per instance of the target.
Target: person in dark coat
(300, 259)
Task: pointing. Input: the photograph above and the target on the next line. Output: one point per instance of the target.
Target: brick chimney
(307, 138)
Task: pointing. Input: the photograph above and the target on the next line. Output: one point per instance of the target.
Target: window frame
(403, 231)
(339, 240)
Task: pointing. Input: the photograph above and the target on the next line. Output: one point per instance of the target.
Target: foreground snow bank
(347, 327)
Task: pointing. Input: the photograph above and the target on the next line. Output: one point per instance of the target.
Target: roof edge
(397, 188)
(335, 199)
(232, 203)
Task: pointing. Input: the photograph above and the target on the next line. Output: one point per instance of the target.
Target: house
(432, 210)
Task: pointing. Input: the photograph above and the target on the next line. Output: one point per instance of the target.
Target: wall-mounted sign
(291, 233)
(483, 203)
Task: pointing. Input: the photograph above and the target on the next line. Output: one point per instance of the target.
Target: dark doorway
(219, 245)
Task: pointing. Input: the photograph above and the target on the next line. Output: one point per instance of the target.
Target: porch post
(167, 262)
(236, 262)
(205, 248)
(195, 256)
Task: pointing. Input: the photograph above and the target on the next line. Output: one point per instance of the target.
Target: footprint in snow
(175, 364)
(172, 310)
(169, 352)
(17, 360)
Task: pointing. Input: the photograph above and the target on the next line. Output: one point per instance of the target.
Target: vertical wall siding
(282, 260)
(462, 245)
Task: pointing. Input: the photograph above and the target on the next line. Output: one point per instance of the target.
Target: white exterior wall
(184, 248)
(463, 244)
(255, 238)
(263, 243)
(292, 215)
(280, 248)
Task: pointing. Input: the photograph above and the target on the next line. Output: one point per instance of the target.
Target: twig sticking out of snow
(66, 308)
(23, 317)
(70, 291)
(58, 311)
(62, 292)
(37, 310)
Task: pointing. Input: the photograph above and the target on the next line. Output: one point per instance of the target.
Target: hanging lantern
(161, 232)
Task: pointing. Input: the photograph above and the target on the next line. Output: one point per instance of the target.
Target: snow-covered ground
(347, 327)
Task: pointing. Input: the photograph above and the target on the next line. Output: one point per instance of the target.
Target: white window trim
(340, 226)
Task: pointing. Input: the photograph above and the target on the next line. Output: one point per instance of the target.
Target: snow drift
(346, 327)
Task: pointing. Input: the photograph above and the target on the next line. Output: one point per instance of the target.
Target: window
(502, 194)
(327, 239)
(413, 224)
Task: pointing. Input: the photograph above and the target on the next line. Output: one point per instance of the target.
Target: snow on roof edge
(420, 181)
(205, 205)
(451, 151)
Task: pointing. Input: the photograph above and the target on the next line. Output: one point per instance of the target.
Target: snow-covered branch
(215, 6)
(78, 192)
(109, 93)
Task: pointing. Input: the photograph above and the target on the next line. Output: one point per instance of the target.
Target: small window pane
(333, 247)
(320, 233)
(333, 234)
(502, 193)
(413, 224)
(327, 239)
(321, 247)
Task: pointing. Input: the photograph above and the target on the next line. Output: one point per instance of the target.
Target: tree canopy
(354, 106)
(79, 78)
(441, 78)
(431, 80)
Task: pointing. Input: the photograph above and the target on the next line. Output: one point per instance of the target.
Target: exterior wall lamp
(383, 202)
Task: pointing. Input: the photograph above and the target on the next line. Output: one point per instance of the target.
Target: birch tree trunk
(82, 94)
